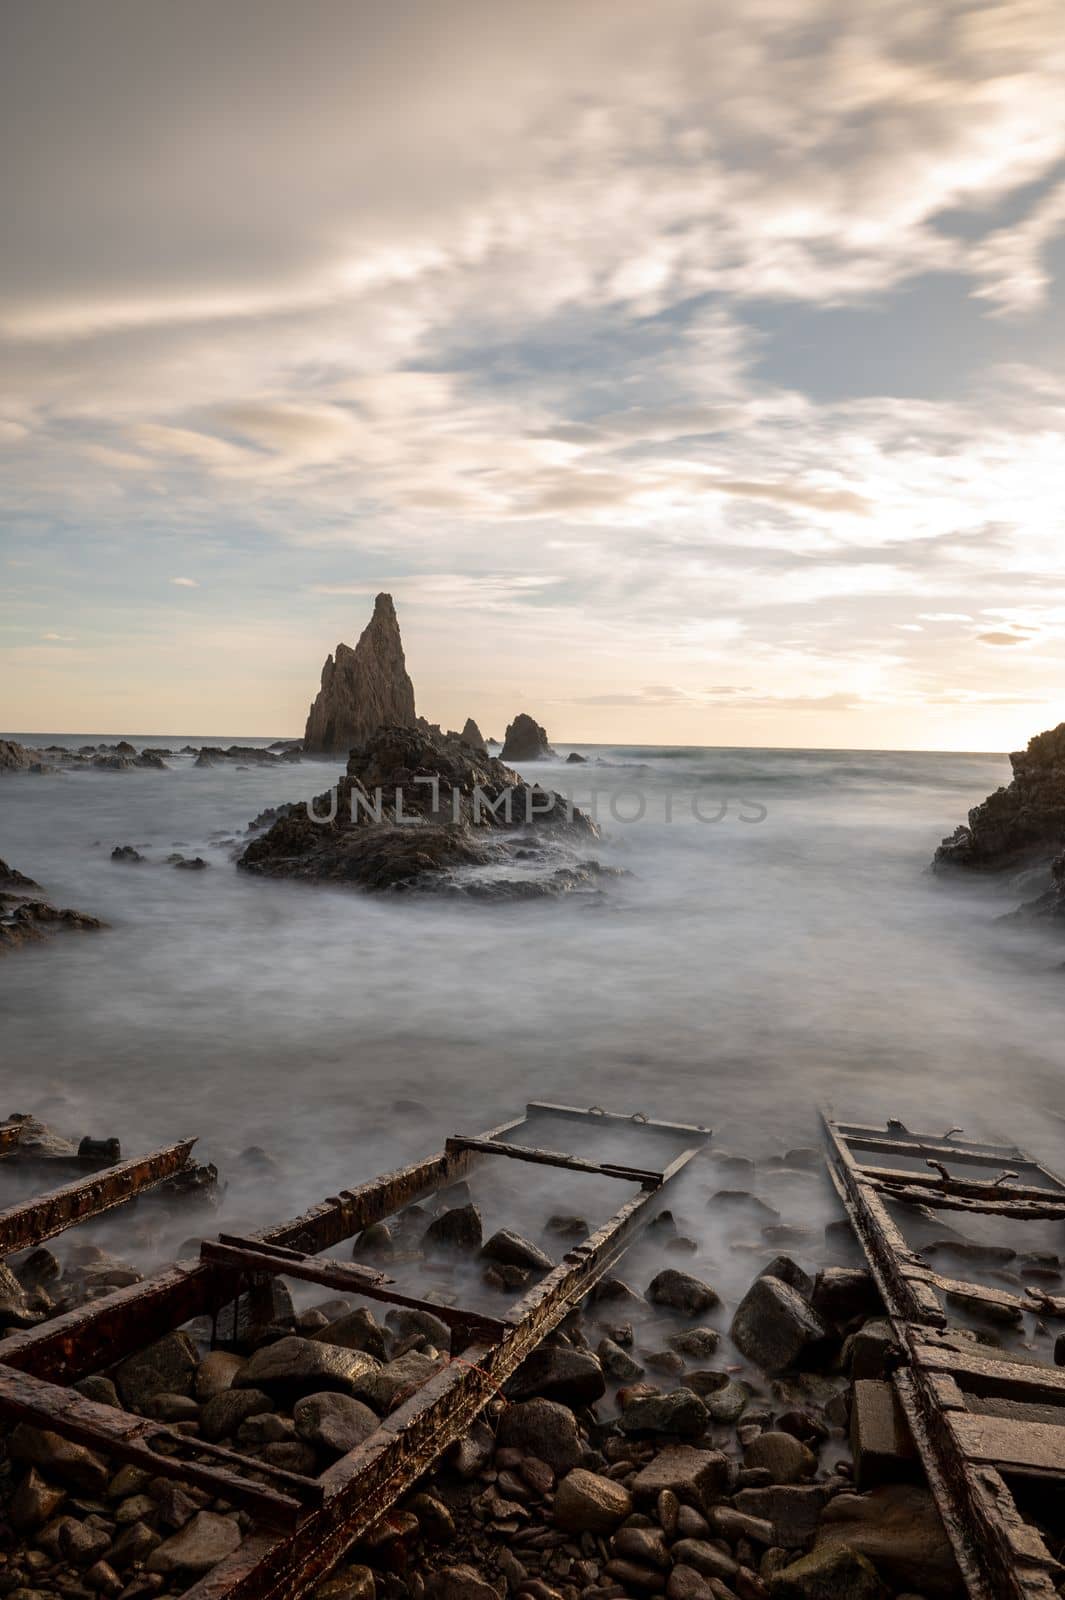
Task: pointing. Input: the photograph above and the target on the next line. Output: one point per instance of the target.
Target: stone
(200, 1545)
(828, 1574)
(222, 1415)
(175, 1503)
(166, 1367)
(634, 1575)
(543, 1428)
(646, 1545)
(687, 1584)
(98, 1388)
(881, 1442)
(617, 1362)
(557, 1372)
(472, 735)
(793, 1510)
(872, 1352)
(782, 1455)
(525, 740)
(680, 1412)
(73, 1464)
(34, 1502)
(898, 1528)
(293, 1367)
(734, 1525)
(706, 1558)
(588, 1503)
(358, 1330)
(334, 1422)
(696, 1477)
(406, 1321)
(348, 1583)
(842, 1294)
(460, 1583)
(695, 1342)
(216, 1372)
(393, 1383)
(513, 1251)
(789, 1272)
(82, 1543)
(172, 1408)
(362, 689)
(102, 1577)
(681, 1292)
(776, 1329)
(459, 1229)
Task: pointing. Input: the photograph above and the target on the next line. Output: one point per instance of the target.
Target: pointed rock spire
(362, 689)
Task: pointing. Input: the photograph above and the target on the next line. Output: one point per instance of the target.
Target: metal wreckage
(987, 1425)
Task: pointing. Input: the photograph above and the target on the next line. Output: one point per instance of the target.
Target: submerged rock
(362, 689)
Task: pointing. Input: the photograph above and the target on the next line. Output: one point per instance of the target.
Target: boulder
(293, 1367)
(514, 1251)
(397, 1380)
(199, 1546)
(525, 740)
(223, 1413)
(166, 1367)
(706, 1558)
(216, 1372)
(696, 1477)
(334, 1422)
(680, 1412)
(681, 1292)
(362, 689)
(358, 1330)
(587, 1503)
(459, 1229)
(460, 1583)
(557, 1372)
(898, 1528)
(829, 1574)
(786, 1458)
(842, 1294)
(58, 1458)
(407, 1320)
(542, 1428)
(776, 1329)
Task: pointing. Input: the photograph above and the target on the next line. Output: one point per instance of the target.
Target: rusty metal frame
(984, 1424)
(41, 1217)
(310, 1522)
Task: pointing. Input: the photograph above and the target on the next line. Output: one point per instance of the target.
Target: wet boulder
(588, 1503)
(542, 1428)
(459, 1230)
(293, 1367)
(166, 1367)
(557, 1372)
(679, 1412)
(776, 1329)
(681, 1292)
(334, 1422)
(511, 1250)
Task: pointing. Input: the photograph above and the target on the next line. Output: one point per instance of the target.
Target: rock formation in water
(414, 808)
(472, 735)
(362, 689)
(26, 916)
(525, 741)
(1020, 828)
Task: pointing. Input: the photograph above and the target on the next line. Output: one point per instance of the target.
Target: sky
(688, 373)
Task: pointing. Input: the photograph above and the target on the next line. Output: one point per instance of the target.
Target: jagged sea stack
(362, 689)
(472, 735)
(525, 740)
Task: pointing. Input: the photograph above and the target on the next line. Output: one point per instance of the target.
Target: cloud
(1003, 638)
(185, 583)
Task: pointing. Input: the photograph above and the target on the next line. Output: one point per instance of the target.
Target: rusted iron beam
(10, 1134)
(81, 1341)
(596, 1114)
(887, 1179)
(363, 1484)
(920, 1148)
(137, 1440)
(243, 1256)
(556, 1158)
(1019, 1211)
(32, 1221)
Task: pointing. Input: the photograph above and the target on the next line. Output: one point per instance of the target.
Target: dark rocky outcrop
(525, 741)
(362, 689)
(15, 757)
(1020, 829)
(413, 808)
(472, 735)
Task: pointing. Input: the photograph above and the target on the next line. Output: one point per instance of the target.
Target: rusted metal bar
(617, 1118)
(137, 1440)
(963, 1154)
(980, 1423)
(34, 1220)
(10, 1134)
(366, 1482)
(358, 1488)
(556, 1158)
(244, 1256)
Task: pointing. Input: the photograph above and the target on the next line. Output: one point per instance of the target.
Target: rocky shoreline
(27, 915)
(1019, 831)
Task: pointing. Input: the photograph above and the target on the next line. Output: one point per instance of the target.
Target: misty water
(746, 970)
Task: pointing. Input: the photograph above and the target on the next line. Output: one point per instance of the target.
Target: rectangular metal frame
(983, 1425)
(312, 1521)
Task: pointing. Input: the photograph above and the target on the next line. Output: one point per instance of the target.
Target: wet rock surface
(414, 809)
(27, 916)
(525, 740)
(362, 689)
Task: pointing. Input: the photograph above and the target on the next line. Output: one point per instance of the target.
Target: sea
(777, 945)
